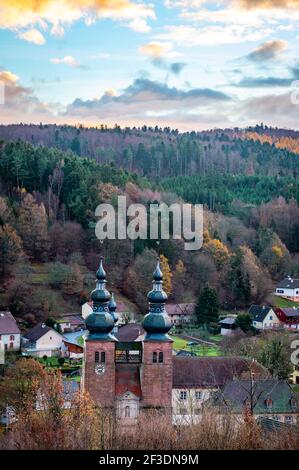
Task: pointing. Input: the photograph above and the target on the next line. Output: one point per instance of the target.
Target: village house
(228, 326)
(42, 341)
(122, 311)
(196, 379)
(288, 288)
(289, 316)
(10, 335)
(180, 314)
(70, 322)
(264, 317)
(270, 398)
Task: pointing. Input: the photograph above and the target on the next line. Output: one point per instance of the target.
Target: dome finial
(112, 308)
(157, 274)
(101, 273)
(100, 322)
(157, 323)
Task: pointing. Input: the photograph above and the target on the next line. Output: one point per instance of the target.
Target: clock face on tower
(99, 369)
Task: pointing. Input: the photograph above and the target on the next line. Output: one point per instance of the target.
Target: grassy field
(280, 302)
(199, 350)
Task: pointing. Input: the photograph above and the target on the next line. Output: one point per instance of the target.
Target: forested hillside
(164, 152)
(52, 178)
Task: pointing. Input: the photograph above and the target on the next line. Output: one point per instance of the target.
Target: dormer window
(269, 403)
(294, 403)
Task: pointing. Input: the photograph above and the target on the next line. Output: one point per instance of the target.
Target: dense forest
(53, 177)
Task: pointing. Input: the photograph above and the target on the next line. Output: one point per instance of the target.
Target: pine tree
(207, 307)
(167, 274)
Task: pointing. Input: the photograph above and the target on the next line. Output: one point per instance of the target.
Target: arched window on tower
(127, 412)
(103, 357)
(154, 357)
(97, 357)
(161, 357)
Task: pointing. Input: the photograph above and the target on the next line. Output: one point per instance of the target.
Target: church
(128, 377)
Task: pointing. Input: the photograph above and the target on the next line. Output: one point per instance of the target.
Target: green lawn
(280, 302)
(200, 350)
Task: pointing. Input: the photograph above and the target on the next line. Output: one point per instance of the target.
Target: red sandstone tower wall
(100, 387)
(156, 378)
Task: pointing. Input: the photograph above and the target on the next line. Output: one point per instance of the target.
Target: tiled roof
(237, 392)
(211, 372)
(8, 324)
(127, 379)
(288, 283)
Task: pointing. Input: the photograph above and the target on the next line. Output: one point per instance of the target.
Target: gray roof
(259, 313)
(37, 332)
(290, 311)
(8, 325)
(228, 321)
(237, 393)
(288, 283)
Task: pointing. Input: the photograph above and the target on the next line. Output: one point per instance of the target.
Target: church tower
(99, 346)
(156, 367)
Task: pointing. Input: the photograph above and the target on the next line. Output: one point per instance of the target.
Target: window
(127, 412)
(270, 318)
(289, 419)
(160, 357)
(12, 338)
(183, 395)
(103, 357)
(97, 357)
(269, 403)
(280, 291)
(154, 357)
(198, 395)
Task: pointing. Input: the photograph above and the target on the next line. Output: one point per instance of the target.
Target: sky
(187, 64)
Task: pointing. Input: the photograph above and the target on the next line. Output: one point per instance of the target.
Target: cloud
(253, 4)
(156, 50)
(213, 35)
(67, 60)
(276, 110)
(55, 14)
(270, 82)
(146, 101)
(20, 103)
(34, 36)
(268, 51)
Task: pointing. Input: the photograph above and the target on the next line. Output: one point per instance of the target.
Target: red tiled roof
(127, 379)
(212, 371)
(8, 324)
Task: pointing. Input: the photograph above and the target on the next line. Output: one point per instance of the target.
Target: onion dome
(112, 308)
(157, 323)
(100, 322)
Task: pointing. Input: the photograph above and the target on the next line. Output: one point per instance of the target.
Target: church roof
(129, 332)
(211, 372)
(127, 379)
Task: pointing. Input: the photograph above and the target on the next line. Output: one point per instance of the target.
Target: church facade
(128, 377)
